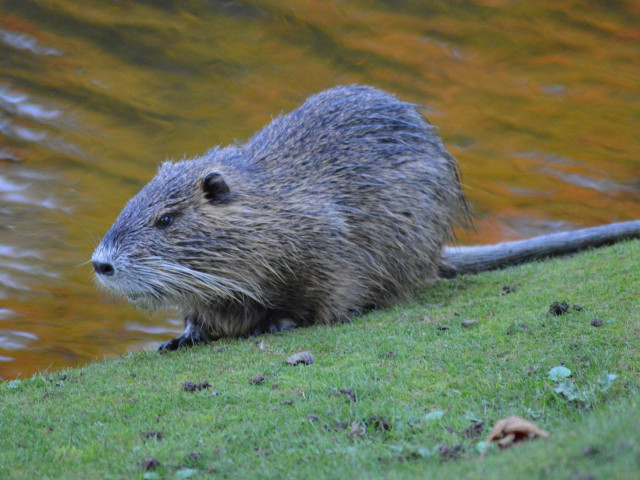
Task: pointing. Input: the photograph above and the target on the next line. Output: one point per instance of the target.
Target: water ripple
(16, 103)
(15, 340)
(7, 313)
(604, 185)
(152, 329)
(22, 41)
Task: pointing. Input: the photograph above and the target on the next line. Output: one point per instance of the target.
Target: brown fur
(338, 206)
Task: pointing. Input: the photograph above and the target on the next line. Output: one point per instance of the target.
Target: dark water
(539, 101)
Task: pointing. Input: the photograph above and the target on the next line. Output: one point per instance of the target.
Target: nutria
(343, 204)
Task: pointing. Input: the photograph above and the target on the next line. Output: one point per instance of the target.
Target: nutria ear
(215, 188)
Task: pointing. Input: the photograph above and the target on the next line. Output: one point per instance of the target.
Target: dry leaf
(510, 430)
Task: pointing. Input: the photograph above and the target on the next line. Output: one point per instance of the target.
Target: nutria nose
(103, 268)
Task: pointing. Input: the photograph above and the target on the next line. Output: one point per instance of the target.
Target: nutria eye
(164, 221)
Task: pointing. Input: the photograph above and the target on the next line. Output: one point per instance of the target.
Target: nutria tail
(474, 259)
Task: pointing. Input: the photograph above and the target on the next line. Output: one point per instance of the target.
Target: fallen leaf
(510, 430)
(607, 381)
(559, 373)
(434, 415)
(185, 473)
(569, 391)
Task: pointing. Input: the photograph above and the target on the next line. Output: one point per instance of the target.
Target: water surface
(539, 101)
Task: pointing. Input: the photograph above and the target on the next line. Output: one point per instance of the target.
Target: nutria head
(160, 251)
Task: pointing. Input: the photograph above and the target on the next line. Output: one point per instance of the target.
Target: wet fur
(343, 204)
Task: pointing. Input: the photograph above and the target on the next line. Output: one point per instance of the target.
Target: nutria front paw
(183, 341)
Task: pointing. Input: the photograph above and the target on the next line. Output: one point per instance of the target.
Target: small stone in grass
(257, 379)
(302, 357)
(596, 322)
(443, 327)
(468, 323)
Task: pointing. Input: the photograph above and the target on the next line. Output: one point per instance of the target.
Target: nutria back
(343, 204)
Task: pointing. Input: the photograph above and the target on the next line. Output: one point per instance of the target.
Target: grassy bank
(406, 392)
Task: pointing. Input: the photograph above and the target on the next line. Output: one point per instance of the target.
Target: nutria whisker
(180, 281)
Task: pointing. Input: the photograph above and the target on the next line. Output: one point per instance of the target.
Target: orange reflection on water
(539, 101)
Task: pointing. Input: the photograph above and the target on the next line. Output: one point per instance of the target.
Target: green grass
(104, 420)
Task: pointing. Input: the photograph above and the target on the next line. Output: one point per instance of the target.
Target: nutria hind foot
(275, 326)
